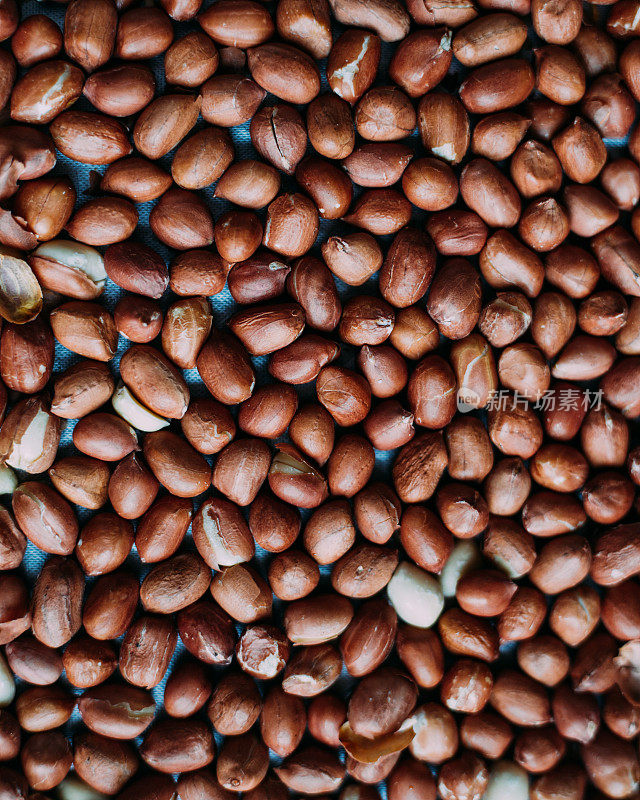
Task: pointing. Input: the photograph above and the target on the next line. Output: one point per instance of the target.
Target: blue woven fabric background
(84, 178)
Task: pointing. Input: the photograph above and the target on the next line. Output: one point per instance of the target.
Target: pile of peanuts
(436, 266)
